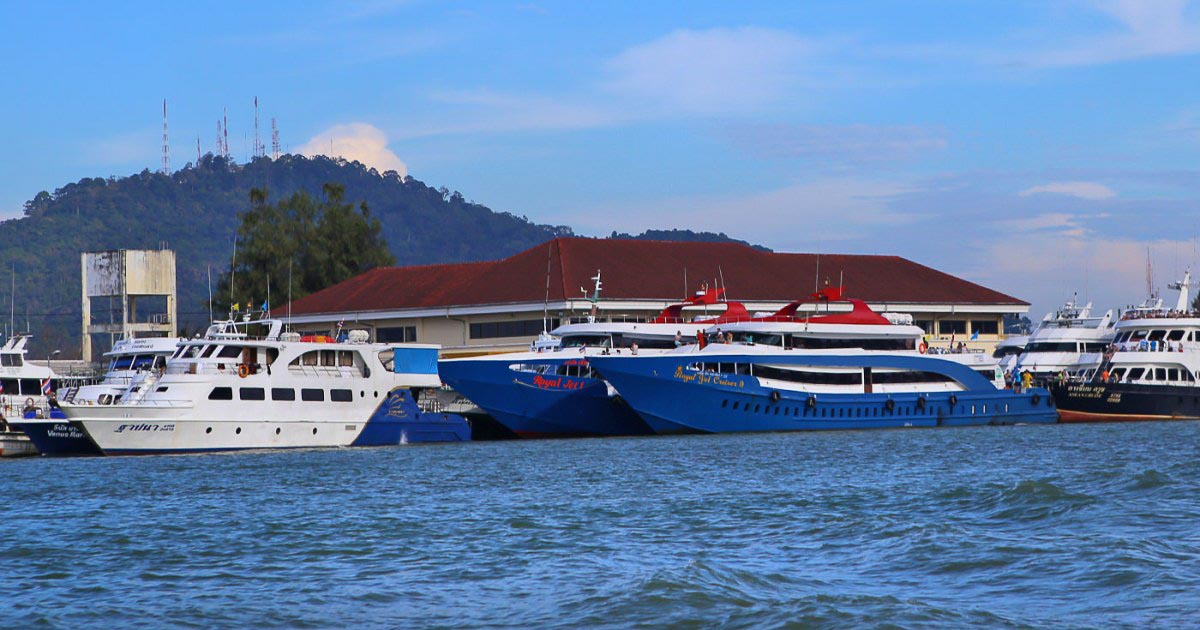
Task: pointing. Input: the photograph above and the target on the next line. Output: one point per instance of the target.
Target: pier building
(500, 306)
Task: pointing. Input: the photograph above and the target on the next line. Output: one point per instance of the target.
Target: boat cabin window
(283, 393)
(11, 360)
(1173, 374)
(1094, 346)
(1160, 374)
(30, 386)
(1137, 335)
(1117, 373)
(1005, 351)
(587, 341)
(124, 362)
(1157, 335)
(221, 393)
(251, 393)
(229, 352)
(387, 358)
(1136, 373)
(1052, 346)
(325, 358)
(341, 395)
(208, 351)
(821, 343)
(145, 362)
(312, 395)
(1175, 335)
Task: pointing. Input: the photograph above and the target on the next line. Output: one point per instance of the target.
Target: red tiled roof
(638, 269)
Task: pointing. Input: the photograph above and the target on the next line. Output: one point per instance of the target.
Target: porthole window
(277, 430)
(314, 430)
(238, 431)
(208, 430)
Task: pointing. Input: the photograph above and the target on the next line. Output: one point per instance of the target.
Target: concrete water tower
(127, 276)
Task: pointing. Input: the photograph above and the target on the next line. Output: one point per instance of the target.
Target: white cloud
(1145, 28)
(716, 71)
(1084, 190)
(803, 215)
(356, 142)
(837, 144)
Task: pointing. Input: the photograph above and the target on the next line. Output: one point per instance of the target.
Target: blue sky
(1040, 148)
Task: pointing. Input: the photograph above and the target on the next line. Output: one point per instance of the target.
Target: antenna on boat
(685, 284)
(546, 302)
(210, 315)
(724, 289)
(289, 293)
(232, 276)
(12, 303)
(267, 304)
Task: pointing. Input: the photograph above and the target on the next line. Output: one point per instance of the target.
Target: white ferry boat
(1070, 339)
(1009, 350)
(249, 385)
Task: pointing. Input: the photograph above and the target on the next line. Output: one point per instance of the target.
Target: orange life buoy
(923, 347)
(243, 370)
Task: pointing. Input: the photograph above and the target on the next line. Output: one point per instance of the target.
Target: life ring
(1037, 398)
(243, 370)
(811, 403)
(920, 402)
(889, 404)
(775, 395)
(924, 347)
(953, 400)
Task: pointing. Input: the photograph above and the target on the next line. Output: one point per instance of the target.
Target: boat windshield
(587, 341)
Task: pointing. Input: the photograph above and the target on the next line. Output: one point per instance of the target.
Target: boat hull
(140, 429)
(536, 406)
(1126, 402)
(56, 436)
(712, 404)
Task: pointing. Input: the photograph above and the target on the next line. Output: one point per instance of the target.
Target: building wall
(452, 331)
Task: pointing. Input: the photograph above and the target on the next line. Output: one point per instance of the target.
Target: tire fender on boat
(953, 399)
(920, 402)
(811, 403)
(775, 395)
(889, 404)
(1037, 398)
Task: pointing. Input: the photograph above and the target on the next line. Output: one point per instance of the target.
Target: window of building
(519, 328)
(984, 326)
(283, 393)
(312, 395)
(952, 326)
(221, 393)
(925, 325)
(251, 393)
(396, 334)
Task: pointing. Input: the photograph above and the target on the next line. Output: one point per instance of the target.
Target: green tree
(310, 243)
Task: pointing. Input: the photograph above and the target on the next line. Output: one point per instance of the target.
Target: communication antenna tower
(198, 154)
(258, 149)
(274, 140)
(218, 150)
(225, 132)
(166, 156)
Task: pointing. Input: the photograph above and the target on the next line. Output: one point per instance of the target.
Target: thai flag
(46, 386)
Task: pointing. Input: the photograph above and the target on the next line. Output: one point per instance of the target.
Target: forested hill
(195, 211)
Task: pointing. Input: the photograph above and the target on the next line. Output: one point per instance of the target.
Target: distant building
(498, 306)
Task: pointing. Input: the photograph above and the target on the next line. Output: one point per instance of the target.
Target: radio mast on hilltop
(225, 131)
(274, 140)
(166, 155)
(258, 147)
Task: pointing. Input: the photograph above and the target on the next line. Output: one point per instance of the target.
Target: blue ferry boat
(553, 391)
(54, 435)
(855, 370)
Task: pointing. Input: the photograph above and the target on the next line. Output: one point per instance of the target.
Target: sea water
(1085, 525)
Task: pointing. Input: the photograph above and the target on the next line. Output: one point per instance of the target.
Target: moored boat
(853, 370)
(552, 391)
(249, 385)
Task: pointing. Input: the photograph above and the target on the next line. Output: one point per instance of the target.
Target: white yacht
(1009, 350)
(22, 384)
(1151, 371)
(129, 360)
(1070, 339)
(247, 385)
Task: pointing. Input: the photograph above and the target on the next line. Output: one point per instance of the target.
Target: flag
(46, 386)
(265, 307)
(975, 335)
(951, 340)
(1, 387)
(249, 305)
(341, 322)
(235, 308)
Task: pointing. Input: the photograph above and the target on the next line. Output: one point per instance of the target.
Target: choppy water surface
(1000, 526)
